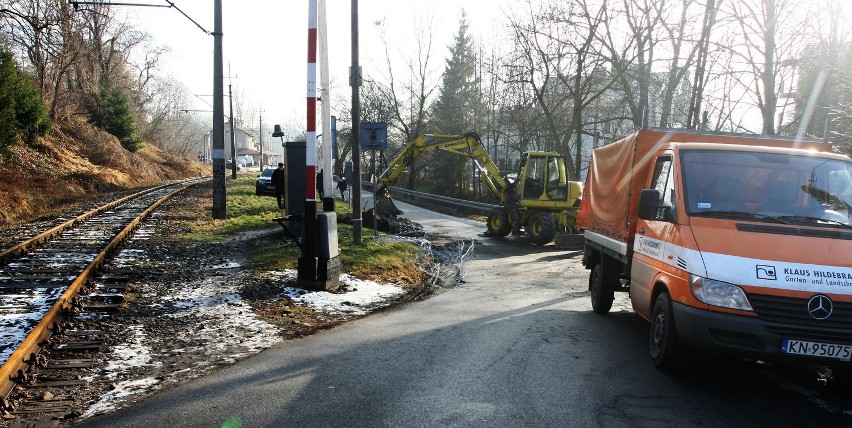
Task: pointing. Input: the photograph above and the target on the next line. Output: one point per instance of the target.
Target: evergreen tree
(31, 114)
(459, 100)
(22, 114)
(111, 111)
(455, 112)
(8, 79)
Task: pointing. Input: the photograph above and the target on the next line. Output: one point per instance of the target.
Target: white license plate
(816, 349)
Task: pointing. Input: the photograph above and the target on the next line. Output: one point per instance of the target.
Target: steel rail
(26, 245)
(25, 354)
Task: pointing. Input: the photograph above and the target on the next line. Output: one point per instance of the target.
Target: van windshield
(767, 187)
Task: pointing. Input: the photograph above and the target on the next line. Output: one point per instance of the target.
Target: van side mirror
(650, 208)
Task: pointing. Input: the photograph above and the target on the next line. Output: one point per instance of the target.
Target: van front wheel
(666, 349)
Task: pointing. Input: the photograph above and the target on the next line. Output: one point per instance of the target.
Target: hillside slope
(78, 162)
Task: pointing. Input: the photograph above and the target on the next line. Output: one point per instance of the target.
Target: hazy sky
(265, 43)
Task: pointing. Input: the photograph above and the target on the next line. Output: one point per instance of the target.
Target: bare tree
(642, 21)
(770, 42)
(564, 55)
(47, 35)
(679, 35)
(166, 100)
(28, 25)
(408, 99)
(538, 58)
(694, 119)
(590, 78)
(245, 109)
(149, 84)
(824, 78)
(63, 58)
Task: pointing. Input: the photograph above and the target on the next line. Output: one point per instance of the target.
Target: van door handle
(641, 231)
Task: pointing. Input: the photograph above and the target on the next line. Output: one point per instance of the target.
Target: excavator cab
(542, 177)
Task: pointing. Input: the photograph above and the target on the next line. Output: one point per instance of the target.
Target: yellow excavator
(548, 200)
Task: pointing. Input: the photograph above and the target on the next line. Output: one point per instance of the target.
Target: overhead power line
(170, 4)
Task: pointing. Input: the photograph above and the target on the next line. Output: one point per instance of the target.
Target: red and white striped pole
(311, 142)
(307, 271)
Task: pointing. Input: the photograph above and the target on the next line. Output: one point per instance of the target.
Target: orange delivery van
(725, 242)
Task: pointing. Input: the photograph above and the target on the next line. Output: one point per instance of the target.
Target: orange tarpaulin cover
(617, 172)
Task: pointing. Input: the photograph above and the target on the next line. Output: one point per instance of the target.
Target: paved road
(516, 344)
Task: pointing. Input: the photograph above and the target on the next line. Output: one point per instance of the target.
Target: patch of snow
(14, 327)
(228, 265)
(128, 388)
(126, 356)
(143, 234)
(361, 295)
(229, 322)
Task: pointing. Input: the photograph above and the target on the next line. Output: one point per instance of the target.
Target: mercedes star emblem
(820, 307)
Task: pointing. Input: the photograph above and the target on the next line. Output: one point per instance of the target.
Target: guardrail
(460, 206)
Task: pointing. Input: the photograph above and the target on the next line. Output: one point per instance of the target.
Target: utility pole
(219, 211)
(233, 135)
(355, 79)
(260, 137)
(325, 99)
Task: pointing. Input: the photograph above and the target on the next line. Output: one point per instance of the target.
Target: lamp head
(277, 132)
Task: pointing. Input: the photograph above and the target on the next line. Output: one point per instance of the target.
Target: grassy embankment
(376, 259)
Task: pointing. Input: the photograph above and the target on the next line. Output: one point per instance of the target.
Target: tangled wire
(445, 264)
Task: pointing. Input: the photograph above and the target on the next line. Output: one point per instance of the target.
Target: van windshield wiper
(812, 219)
(741, 214)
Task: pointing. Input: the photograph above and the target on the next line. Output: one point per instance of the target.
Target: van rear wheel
(666, 349)
(601, 289)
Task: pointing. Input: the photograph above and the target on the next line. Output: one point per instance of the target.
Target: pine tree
(455, 111)
(459, 99)
(8, 82)
(111, 111)
(22, 113)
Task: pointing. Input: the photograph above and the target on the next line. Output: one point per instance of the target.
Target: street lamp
(277, 132)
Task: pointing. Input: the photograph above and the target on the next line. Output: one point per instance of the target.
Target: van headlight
(718, 293)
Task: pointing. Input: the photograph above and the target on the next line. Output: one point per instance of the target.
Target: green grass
(376, 259)
(244, 211)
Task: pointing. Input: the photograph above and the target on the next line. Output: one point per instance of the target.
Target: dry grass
(77, 163)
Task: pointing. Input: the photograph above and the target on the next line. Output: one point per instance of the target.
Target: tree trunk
(768, 74)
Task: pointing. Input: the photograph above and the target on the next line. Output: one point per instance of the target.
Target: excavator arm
(548, 201)
(468, 145)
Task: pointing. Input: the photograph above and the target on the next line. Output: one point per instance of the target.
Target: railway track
(46, 277)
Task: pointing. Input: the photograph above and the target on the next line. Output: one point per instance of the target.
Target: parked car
(263, 185)
(245, 161)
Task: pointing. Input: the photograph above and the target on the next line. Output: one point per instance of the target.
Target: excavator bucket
(384, 204)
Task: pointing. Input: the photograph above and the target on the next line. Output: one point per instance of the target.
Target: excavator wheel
(498, 223)
(541, 228)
